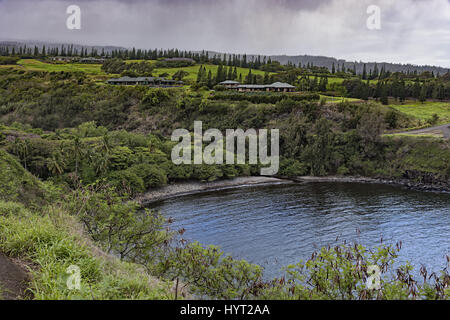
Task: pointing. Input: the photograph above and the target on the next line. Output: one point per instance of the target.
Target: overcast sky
(412, 31)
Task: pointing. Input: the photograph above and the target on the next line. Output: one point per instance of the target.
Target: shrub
(210, 273)
(292, 168)
(343, 170)
(263, 97)
(8, 60)
(127, 180)
(152, 175)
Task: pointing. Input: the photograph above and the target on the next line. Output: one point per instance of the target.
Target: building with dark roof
(229, 84)
(145, 81)
(274, 87)
(92, 60)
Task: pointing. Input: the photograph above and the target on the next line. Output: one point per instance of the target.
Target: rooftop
(281, 85)
(229, 82)
(143, 79)
(254, 86)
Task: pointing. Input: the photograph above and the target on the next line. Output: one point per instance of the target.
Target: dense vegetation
(74, 153)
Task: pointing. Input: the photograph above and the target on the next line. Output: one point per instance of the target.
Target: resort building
(80, 60)
(230, 84)
(146, 81)
(64, 59)
(92, 60)
(274, 87)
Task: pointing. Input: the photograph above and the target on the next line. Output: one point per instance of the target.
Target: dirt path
(444, 129)
(13, 280)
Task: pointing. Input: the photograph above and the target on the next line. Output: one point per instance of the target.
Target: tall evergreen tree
(249, 78)
(364, 73)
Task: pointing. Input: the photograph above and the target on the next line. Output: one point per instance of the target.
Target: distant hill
(322, 61)
(319, 61)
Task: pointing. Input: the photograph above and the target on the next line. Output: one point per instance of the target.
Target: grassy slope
(332, 80)
(17, 184)
(426, 155)
(49, 240)
(331, 99)
(53, 242)
(95, 69)
(33, 64)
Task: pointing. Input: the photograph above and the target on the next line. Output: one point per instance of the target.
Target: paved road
(442, 129)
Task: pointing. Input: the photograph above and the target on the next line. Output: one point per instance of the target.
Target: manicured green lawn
(338, 99)
(95, 69)
(193, 70)
(332, 80)
(33, 64)
(425, 111)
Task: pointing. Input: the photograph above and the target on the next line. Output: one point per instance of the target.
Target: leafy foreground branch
(337, 273)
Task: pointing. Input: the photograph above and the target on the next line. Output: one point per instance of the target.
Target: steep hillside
(40, 240)
(17, 184)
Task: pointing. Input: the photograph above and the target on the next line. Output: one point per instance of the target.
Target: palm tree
(105, 143)
(78, 152)
(101, 163)
(20, 148)
(56, 164)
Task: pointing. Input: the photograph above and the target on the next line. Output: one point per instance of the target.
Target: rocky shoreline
(193, 187)
(405, 183)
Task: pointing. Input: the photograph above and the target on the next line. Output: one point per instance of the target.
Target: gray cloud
(413, 31)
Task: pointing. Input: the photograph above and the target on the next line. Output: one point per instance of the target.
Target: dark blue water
(282, 224)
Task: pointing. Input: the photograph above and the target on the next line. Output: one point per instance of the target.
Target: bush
(210, 274)
(391, 119)
(127, 180)
(263, 97)
(343, 273)
(8, 60)
(219, 87)
(155, 98)
(205, 172)
(121, 227)
(343, 170)
(152, 175)
(433, 120)
(293, 168)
